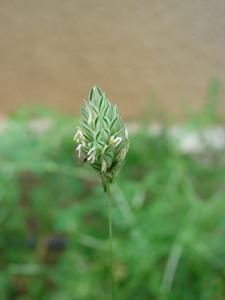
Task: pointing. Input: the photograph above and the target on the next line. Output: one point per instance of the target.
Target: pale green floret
(91, 155)
(90, 118)
(79, 149)
(104, 166)
(115, 141)
(79, 137)
(102, 138)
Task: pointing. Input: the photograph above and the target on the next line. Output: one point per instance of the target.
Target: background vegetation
(168, 218)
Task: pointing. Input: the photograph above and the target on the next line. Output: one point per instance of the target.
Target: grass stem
(111, 242)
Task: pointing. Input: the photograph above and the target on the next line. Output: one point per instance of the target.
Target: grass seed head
(102, 138)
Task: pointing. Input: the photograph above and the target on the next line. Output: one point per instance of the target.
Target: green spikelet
(102, 138)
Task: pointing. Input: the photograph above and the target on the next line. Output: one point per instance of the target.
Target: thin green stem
(111, 242)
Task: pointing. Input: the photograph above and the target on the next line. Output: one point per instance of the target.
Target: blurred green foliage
(168, 218)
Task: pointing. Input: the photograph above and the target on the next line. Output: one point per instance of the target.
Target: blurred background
(163, 64)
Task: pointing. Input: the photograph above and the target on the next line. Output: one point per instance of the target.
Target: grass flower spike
(102, 138)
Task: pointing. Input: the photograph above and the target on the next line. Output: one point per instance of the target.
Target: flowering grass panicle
(102, 138)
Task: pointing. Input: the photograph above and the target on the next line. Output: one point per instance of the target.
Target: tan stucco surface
(51, 52)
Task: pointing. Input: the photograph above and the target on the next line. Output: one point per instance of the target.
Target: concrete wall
(53, 51)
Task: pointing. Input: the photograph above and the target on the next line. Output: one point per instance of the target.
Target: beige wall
(53, 51)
